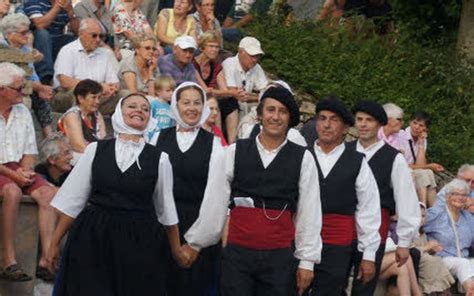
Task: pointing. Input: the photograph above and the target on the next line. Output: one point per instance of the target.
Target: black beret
(285, 97)
(334, 104)
(373, 109)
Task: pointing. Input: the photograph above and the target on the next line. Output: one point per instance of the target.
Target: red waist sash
(384, 226)
(256, 228)
(338, 229)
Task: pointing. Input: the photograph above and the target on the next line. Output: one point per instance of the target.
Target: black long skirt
(112, 253)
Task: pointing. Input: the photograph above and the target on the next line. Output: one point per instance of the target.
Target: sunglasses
(95, 35)
(150, 48)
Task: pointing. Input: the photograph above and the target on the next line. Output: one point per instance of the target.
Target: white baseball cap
(251, 45)
(185, 42)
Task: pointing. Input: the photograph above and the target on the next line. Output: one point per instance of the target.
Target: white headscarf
(175, 112)
(119, 125)
(121, 128)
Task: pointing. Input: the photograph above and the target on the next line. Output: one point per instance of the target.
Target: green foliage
(320, 60)
(428, 19)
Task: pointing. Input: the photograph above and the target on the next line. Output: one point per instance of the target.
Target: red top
(216, 68)
(217, 131)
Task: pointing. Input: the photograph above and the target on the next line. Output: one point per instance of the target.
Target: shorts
(460, 268)
(227, 106)
(424, 178)
(38, 180)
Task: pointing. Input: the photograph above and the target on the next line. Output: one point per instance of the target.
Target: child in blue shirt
(160, 106)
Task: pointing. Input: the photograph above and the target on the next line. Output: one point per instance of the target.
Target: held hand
(304, 277)
(52, 257)
(401, 256)
(23, 178)
(423, 135)
(45, 92)
(209, 91)
(63, 3)
(189, 253)
(210, 19)
(239, 94)
(37, 55)
(438, 168)
(366, 271)
(435, 246)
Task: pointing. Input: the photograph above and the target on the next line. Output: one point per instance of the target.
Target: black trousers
(248, 272)
(330, 276)
(358, 288)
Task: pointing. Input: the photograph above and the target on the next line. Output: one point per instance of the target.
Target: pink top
(410, 146)
(393, 140)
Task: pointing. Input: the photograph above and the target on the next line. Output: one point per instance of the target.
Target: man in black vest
(349, 199)
(275, 218)
(394, 181)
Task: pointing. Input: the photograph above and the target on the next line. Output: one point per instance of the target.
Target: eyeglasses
(17, 89)
(95, 35)
(150, 48)
(457, 194)
(24, 33)
(469, 181)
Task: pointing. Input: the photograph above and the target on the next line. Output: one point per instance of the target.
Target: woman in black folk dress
(193, 152)
(114, 204)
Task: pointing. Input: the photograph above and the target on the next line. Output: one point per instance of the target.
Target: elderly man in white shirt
(17, 159)
(85, 59)
(243, 75)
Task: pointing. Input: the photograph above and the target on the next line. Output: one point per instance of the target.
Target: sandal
(44, 274)
(15, 273)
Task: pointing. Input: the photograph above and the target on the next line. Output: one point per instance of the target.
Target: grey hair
(49, 146)
(142, 37)
(456, 185)
(392, 110)
(85, 24)
(11, 23)
(9, 73)
(464, 168)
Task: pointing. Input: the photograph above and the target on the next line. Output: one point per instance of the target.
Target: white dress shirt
(404, 193)
(73, 61)
(368, 213)
(73, 195)
(254, 80)
(17, 135)
(208, 227)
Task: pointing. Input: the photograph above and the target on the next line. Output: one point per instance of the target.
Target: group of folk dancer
(147, 218)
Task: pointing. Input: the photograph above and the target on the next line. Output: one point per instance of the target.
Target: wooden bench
(26, 247)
